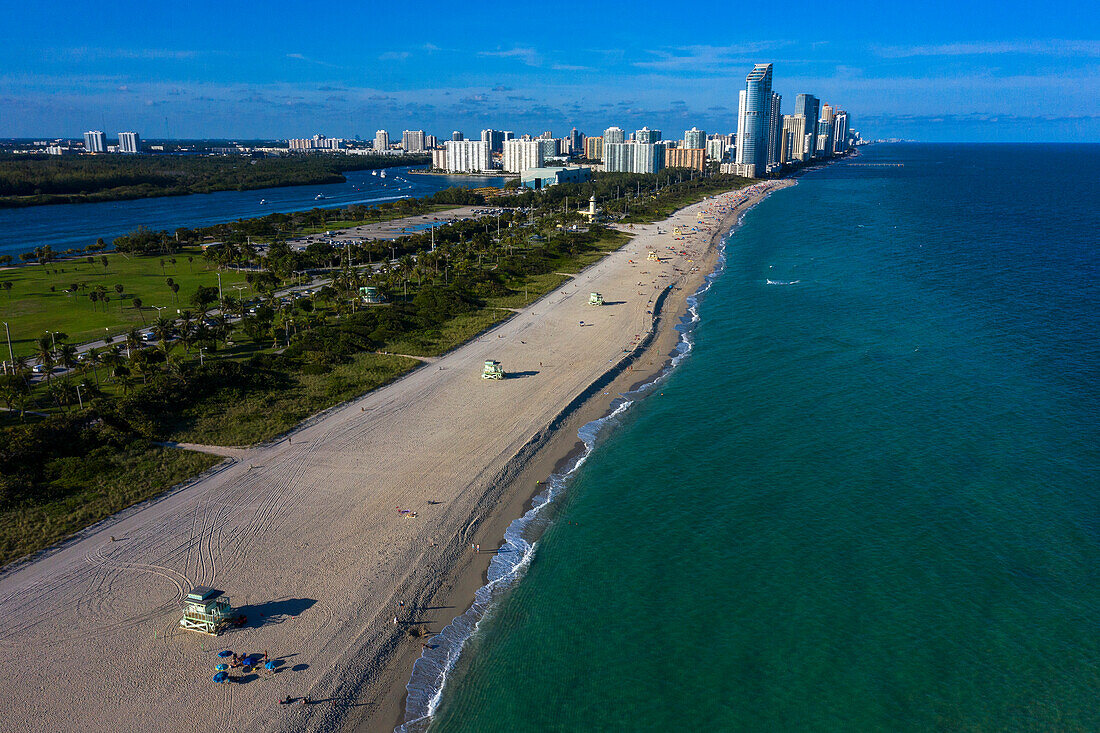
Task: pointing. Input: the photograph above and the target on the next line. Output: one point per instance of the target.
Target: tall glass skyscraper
(753, 118)
(809, 106)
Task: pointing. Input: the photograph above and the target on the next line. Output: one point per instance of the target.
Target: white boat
(263, 201)
(374, 173)
(383, 174)
(318, 197)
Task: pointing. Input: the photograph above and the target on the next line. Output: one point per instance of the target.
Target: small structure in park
(595, 299)
(370, 294)
(652, 256)
(206, 610)
(492, 370)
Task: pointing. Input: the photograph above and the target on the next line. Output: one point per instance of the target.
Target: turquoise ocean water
(868, 499)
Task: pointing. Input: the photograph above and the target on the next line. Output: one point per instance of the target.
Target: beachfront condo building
(522, 155)
(381, 140)
(129, 142)
(495, 138)
(613, 135)
(95, 141)
(825, 132)
(467, 156)
(645, 135)
(809, 107)
(412, 141)
(695, 138)
(840, 131)
(457, 136)
(793, 140)
(775, 132)
(633, 157)
(753, 117)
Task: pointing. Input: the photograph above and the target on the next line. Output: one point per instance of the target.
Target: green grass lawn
(92, 488)
(31, 308)
(230, 417)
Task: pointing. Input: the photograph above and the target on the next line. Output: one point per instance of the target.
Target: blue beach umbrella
(221, 677)
(226, 654)
(222, 667)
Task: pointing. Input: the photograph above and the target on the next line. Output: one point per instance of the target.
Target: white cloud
(1052, 47)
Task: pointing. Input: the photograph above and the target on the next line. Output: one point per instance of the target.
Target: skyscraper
(467, 156)
(753, 116)
(613, 135)
(520, 155)
(495, 138)
(576, 141)
(809, 106)
(775, 130)
(618, 157)
(457, 136)
(95, 141)
(129, 142)
(593, 148)
(825, 132)
(840, 131)
(645, 135)
(793, 139)
(695, 138)
(648, 157)
(413, 141)
(381, 140)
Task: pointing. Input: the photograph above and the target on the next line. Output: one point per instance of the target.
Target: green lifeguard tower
(492, 370)
(369, 294)
(595, 299)
(206, 611)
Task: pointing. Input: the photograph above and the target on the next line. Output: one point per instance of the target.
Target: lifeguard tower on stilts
(206, 611)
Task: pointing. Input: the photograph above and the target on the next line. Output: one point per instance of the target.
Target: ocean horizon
(866, 499)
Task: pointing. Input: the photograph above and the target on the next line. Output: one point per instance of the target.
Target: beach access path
(306, 535)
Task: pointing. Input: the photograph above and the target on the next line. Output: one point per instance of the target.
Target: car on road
(148, 336)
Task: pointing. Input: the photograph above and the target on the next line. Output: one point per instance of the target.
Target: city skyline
(1020, 77)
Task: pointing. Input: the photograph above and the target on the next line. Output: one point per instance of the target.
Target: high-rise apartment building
(840, 131)
(549, 147)
(694, 138)
(576, 141)
(793, 144)
(522, 155)
(413, 141)
(495, 138)
(129, 142)
(613, 135)
(467, 156)
(618, 157)
(649, 157)
(686, 158)
(825, 132)
(431, 142)
(718, 147)
(95, 141)
(645, 135)
(593, 148)
(775, 130)
(457, 136)
(809, 107)
(753, 117)
(381, 140)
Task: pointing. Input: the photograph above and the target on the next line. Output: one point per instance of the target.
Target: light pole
(220, 299)
(10, 354)
(78, 397)
(200, 356)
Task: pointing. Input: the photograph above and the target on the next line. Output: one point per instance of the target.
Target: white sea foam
(784, 282)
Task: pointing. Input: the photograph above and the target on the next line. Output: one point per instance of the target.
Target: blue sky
(935, 70)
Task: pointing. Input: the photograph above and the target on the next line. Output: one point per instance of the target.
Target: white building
(613, 135)
(522, 155)
(649, 157)
(129, 142)
(381, 140)
(467, 156)
(695, 138)
(95, 141)
(413, 141)
(439, 159)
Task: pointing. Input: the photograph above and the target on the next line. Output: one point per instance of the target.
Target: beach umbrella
(221, 677)
(270, 665)
(222, 667)
(226, 654)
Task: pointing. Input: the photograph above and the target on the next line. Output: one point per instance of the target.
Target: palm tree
(43, 349)
(66, 355)
(94, 359)
(164, 328)
(133, 341)
(136, 303)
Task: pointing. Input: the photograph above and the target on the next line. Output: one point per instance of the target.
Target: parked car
(148, 336)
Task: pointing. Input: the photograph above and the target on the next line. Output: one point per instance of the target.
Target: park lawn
(31, 309)
(232, 417)
(388, 216)
(91, 488)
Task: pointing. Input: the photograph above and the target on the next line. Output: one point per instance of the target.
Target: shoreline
(338, 542)
(557, 458)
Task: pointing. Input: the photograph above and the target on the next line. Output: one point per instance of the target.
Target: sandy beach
(363, 515)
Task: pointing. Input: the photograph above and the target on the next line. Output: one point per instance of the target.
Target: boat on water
(382, 174)
(318, 197)
(374, 173)
(263, 201)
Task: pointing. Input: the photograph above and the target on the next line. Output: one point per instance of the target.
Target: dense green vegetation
(213, 380)
(53, 179)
